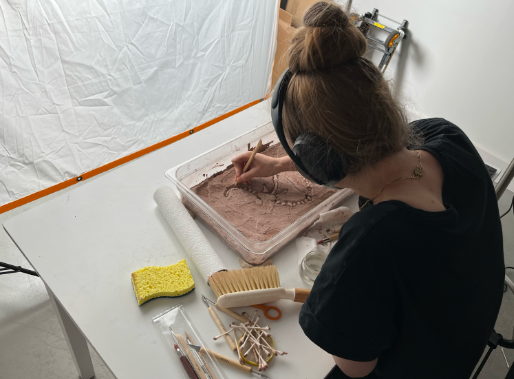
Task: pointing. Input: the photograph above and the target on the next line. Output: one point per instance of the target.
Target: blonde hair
(338, 94)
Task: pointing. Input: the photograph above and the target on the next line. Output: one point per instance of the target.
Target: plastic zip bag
(176, 319)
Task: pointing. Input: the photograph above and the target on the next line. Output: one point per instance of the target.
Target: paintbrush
(249, 286)
(332, 237)
(245, 168)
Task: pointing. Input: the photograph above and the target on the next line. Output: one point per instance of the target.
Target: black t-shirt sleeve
(461, 163)
(435, 131)
(350, 312)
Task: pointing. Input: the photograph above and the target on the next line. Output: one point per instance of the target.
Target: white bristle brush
(249, 286)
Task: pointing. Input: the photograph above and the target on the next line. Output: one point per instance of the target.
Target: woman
(413, 287)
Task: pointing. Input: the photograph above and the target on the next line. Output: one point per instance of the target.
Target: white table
(86, 243)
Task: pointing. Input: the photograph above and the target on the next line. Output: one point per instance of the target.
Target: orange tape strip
(67, 183)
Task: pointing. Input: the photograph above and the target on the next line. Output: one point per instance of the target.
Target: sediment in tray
(265, 207)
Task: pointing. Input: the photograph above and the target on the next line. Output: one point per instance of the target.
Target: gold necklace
(416, 174)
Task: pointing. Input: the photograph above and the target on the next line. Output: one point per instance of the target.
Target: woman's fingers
(239, 167)
(239, 162)
(247, 176)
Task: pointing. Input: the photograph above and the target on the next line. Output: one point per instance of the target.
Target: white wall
(458, 63)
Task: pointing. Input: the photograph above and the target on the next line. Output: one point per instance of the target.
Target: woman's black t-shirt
(419, 290)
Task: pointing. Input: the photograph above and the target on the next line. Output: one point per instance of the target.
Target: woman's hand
(261, 166)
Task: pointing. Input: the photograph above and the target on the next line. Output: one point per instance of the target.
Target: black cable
(482, 364)
(508, 210)
(10, 269)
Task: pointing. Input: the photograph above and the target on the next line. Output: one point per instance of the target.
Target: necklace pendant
(418, 172)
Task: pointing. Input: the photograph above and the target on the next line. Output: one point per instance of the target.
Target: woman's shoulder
(436, 131)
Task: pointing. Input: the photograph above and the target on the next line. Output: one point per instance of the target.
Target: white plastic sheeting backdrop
(83, 83)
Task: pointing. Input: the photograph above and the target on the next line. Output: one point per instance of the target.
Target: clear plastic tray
(196, 170)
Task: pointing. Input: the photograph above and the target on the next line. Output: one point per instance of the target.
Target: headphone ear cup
(318, 158)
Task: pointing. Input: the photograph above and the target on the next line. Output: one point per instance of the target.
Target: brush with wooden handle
(255, 151)
(249, 286)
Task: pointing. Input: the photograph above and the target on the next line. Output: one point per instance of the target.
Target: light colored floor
(32, 344)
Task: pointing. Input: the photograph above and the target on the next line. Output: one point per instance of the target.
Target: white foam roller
(191, 237)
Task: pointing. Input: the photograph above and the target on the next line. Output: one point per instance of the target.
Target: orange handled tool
(266, 308)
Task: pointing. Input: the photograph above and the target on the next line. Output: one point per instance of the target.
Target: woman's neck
(370, 180)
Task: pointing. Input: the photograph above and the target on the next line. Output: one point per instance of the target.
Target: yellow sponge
(154, 281)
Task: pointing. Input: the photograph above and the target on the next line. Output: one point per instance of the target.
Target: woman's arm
(355, 369)
(286, 164)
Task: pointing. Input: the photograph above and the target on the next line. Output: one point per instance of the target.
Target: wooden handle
(228, 361)
(333, 237)
(255, 151)
(192, 341)
(194, 362)
(300, 295)
(259, 144)
(222, 329)
(230, 312)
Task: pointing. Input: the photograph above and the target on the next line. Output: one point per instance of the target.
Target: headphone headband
(277, 104)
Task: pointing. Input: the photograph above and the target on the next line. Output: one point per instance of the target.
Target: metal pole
(348, 6)
(500, 188)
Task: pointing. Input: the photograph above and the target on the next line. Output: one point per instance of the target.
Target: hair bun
(325, 14)
(325, 40)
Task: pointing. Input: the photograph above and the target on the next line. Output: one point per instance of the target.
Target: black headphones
(312, 155)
